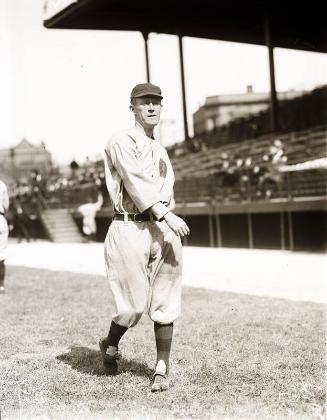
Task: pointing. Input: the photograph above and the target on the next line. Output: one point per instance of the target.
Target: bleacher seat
(297, 146)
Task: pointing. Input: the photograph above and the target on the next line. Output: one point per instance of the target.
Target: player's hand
(177, 224)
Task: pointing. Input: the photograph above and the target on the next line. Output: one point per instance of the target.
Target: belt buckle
(135, 218)
(125, 217)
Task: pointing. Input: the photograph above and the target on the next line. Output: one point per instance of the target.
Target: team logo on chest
(162, 168)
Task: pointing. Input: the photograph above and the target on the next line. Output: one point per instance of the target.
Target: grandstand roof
(294, 24)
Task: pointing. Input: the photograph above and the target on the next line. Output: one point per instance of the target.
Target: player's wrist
(168, 215)
(159, 210)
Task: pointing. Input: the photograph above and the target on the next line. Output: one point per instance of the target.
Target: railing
(72, 197)
(205, 180)
(223, 189)
(298, 146)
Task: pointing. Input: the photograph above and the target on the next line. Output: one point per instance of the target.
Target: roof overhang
(293, 24)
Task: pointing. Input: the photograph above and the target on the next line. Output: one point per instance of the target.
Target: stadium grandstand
(230, 187)
(257, 181)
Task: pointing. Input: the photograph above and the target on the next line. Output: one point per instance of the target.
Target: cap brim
(142, 94)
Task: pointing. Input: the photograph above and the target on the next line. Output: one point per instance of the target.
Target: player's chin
(153, 121)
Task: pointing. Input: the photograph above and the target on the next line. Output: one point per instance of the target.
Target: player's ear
(131, 107)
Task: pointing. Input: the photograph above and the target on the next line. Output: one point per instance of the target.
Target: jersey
(138, 173)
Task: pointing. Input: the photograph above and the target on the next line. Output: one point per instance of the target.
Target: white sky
(71, 89)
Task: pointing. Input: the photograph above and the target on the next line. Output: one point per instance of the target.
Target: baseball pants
(3, 237)
(144, 269)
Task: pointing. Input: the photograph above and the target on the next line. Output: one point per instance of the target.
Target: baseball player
(4, 205)
(88, 212)
(143, 251)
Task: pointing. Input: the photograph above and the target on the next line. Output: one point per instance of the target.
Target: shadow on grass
(89, 361)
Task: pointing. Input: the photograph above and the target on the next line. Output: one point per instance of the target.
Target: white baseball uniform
(4, 204)
(143, 259)
(88, 212)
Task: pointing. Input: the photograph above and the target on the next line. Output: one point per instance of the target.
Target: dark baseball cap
(146, 89)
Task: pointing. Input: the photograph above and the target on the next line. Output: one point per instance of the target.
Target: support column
(211, 231)
(290, 231)
(180, 40)
(282, 230)
(250, 231)
(274, 123)
(147, 64)
(218, 227)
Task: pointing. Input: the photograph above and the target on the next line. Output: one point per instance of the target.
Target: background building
(20, 160)
(220, 110)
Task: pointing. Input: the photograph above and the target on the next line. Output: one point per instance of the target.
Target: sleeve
(137, 182)
(159, 210)
(80, 209)
(99, 202)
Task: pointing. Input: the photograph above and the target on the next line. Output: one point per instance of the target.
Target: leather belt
(135, 217)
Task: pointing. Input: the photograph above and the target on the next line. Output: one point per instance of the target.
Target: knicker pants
(4, 231)
(144, 269)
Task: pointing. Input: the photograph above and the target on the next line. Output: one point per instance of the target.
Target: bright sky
(71, 89)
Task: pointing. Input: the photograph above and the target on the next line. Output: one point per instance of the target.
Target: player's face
(147, 110)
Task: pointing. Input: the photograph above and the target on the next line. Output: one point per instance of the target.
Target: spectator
(272, 180)
(20, 218)
(30, 208)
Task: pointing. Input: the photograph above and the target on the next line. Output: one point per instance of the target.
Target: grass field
(234, 356)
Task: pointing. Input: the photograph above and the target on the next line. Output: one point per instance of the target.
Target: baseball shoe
(109, 361)
(160, 382)
(2, 290)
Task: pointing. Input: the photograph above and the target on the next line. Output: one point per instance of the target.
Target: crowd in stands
(39, 192)
(73, 190)
(23, 212)
(230, 174)
(232, 171)
(247, 170)
(251, 177)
